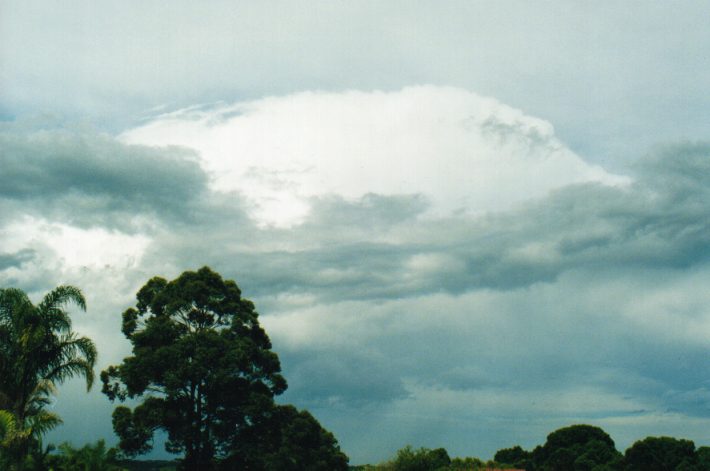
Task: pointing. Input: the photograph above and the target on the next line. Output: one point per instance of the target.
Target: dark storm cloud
(381, 247)
(16, 259)
(86, 178)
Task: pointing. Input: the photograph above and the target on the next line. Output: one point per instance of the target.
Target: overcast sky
(464, 224)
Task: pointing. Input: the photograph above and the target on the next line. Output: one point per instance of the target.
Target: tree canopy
(662, 453)
(285, 438)
(418, 459)
(204, 370)
(576, 448)
(514, 456)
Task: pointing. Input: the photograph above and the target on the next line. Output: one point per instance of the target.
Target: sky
(464, 224)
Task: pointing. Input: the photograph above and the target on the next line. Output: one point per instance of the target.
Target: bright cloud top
(463, 152)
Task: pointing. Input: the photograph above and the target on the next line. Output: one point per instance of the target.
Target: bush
(661, 454)
(422, 459)
(576, 448)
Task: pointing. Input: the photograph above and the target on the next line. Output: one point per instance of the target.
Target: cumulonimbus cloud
(577, 298)
(463, 152)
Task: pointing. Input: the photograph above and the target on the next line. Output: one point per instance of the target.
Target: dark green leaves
(201, 363)
(135, 433)
(660, 454)
(578, 448)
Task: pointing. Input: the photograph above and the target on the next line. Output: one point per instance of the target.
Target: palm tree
(90, 457)
(21, 447)
(38, 350)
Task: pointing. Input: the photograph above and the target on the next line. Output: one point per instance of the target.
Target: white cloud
(75, 247)
(464, 152)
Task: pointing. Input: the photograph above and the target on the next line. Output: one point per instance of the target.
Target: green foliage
(466, 464)
(421, 459)
(575, 448)
(38, 350)
(284, 439)
(87, 458)
(202, 365)
(515, 457)
(661, 454)
(135, 429)
(703, 454)
(148, 465)
(578, 447)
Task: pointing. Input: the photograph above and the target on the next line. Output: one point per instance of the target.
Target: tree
(575, 448)
(703, 454)
(284, 439)
(661, 454)
(90, 457)
(201, 364)
(422, 459)
(514, 456)
(38, 350)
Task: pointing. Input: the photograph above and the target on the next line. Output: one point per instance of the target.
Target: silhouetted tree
(575, 448)
(703, 454)
(284, 439)
(661, 454)
(514, 456)
(201, 363)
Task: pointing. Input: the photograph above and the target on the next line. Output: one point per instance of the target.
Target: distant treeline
(573, 448)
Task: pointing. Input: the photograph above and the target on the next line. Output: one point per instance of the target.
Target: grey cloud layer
(16, 259)
(87, 178)
(586, 305)
(379, 247)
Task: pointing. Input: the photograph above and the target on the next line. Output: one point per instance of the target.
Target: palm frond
(52, 308)
(40, 397)
(69, 356)
(43, 422)
(70, 368)
(10, 297)
(14, 308)
(8, 426)
(60, 296)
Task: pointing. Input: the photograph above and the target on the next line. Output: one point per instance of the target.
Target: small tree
(284, 439)
(90, 457)
(575, 448)
(201, 363)
(514, 456)
(422, 459)
(38, 350)
(660, 454)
